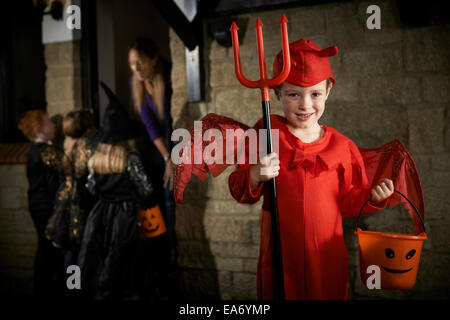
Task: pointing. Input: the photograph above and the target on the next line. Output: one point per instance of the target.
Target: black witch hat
(117, 125)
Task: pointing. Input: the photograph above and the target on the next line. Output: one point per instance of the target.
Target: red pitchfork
(265, 84)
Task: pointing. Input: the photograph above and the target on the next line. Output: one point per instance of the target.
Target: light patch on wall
(57, 30)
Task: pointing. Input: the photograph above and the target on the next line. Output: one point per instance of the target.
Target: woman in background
(151, 94)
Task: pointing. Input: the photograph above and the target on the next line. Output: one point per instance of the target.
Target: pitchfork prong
(237, 60)
(286, 55)
(263, 83)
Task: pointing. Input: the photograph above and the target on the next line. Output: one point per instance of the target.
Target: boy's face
(47, 130)
(303, 106)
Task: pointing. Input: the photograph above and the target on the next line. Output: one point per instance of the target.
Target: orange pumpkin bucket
(396, 255)
(152, 222)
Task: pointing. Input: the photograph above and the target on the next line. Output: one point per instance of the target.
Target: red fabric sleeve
(240, 188)
(355, 188)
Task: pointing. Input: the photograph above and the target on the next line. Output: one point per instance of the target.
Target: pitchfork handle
(279, 281)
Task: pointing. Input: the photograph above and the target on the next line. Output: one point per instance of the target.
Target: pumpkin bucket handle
(415, 209)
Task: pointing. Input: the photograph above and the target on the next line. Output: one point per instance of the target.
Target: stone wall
(392, 83)
(18, 238)
(63, 77)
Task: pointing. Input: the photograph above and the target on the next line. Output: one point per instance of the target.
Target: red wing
(394, 162)
(216, 166)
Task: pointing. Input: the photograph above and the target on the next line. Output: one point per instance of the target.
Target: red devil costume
(319, 183)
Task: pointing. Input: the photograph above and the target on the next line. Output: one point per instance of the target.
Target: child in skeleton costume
(321, 177)
(73, 201)
(110, 242)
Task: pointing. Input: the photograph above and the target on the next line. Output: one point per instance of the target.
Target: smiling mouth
(152, 230)
(303, 116)
(395, 271)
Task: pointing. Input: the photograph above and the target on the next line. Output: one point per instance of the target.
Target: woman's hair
(78, 123)
(111, 158)
(146, 47)
(29, 121)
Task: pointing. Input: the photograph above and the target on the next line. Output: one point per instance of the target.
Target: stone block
(60, 107)
(218, 188)
(179, 76)
(369, 62)
(447, 132)
(195, 192)
(11, 197)
(391, 90)
(218, 53)
(424, 137)
(14, 240)
(179, 101)
(200, 261)
(436, 88)
(232, 229)
(63, 71)
(200, 284)
(435, 200)
(22, 221)
(222, 74)
(250, 265)
(13, 175)
(230, 207)
(225, 284)
(190, 225)
(234, 249)
(340, 12)
(306, 21)
(176, 46)
(347, 89)
(6, 221)
(51, 53)
(370, 126)
(426, 49)
(350, 34)
(51, 90)
(383, 36)
(238, 103)
(256, 230)
(230, 264)
(77, 94)
(69, 52)
(244, 286)
(441, 162)
(422, 162)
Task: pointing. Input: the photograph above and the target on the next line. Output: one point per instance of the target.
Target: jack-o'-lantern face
(390, 254)
(397, 257)
(148, 225)
(152, 222)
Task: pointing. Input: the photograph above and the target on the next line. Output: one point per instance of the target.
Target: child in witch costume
(44, 178)
(73, 201)
(320, 178)
(109, 248)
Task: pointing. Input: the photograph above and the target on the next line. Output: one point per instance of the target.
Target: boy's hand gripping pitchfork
(265, 84)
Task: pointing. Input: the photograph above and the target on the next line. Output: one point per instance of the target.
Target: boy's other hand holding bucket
(382, 191)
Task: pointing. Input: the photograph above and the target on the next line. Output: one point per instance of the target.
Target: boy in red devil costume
(322, 177)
